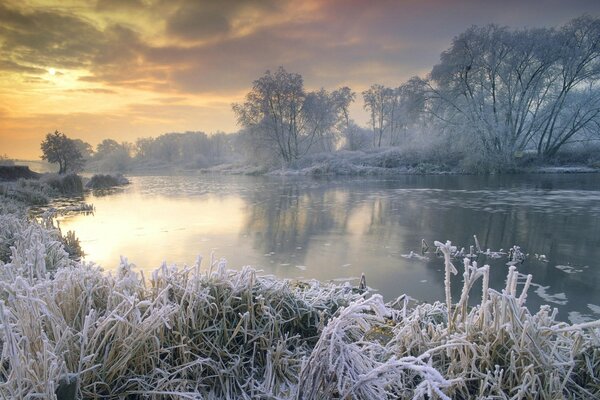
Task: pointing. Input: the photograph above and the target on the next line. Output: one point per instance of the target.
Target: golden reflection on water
(155, 229)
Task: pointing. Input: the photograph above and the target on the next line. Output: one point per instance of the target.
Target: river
(336, 229)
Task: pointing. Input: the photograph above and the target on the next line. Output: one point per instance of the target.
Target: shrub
(100, 181)
(69, 184)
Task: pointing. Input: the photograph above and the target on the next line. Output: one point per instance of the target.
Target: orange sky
(124, 69)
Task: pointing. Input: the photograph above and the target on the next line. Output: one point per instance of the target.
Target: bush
(69, 184)
(100, 181)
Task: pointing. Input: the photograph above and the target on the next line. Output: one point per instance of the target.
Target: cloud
(45, 38)
(199, 20)
(93, 90)
(112, 5)
(222, 46)
(8, 65)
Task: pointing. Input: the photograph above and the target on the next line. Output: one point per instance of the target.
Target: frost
(413, 255)
(557, 298)
(595, 309)
(568, 269)
(209, 332)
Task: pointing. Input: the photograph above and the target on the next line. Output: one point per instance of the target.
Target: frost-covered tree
(412, 100)
(58, 148)
(393, 110)
(280, 115)
(519, 89)
(274, 113)
(84, 148)
(329, 116)
(113, 156)
(356, 137)
(376, 103)
(342, 98)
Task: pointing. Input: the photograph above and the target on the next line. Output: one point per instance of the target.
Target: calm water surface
(337, 229)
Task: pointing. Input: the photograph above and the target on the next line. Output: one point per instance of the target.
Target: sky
(124, 69)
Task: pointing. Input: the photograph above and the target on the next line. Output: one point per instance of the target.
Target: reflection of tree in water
(285, 219)
(375, 220)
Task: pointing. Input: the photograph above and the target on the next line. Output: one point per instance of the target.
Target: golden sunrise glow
(124, 69)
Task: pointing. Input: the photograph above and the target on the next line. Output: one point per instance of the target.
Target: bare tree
(376, 104)
(283, 117)
(520, 89)
(274, 108)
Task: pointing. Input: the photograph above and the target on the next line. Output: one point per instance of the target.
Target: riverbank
(205, 331)
(14, 172)
(396, 161)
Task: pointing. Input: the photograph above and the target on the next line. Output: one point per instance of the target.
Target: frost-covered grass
(198, 332)
(212, 333)
(386, 161)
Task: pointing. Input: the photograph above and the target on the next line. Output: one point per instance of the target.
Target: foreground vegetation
(70, 330)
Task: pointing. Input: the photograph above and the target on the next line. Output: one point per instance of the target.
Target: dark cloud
(61, 40)
(198, 21)
(205, 19)
(8, 65)
(47, 38)
(225, 45)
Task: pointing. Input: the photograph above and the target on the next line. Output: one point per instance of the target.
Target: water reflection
(339, 229)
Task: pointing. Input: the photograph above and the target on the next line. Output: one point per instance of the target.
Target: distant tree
(143, 148)
(280, 115)
(107, 147)
(376, 104)
(409, 101)
(327, 116)
(342, 98)
(84, 148)
(58, 148)
(356, 137)
(113, 156)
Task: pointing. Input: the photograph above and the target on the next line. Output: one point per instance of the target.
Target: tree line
(495, 95)
(497, 91)
(188, 149)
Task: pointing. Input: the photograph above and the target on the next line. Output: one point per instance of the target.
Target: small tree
(58, 148)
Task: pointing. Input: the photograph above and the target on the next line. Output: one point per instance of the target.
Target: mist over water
(338, 229)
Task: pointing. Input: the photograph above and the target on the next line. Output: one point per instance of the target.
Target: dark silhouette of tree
(58, 148)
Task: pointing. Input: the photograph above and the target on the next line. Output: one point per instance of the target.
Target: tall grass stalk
(212, 333)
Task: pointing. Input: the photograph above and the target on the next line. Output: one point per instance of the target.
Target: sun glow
(52, 71)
